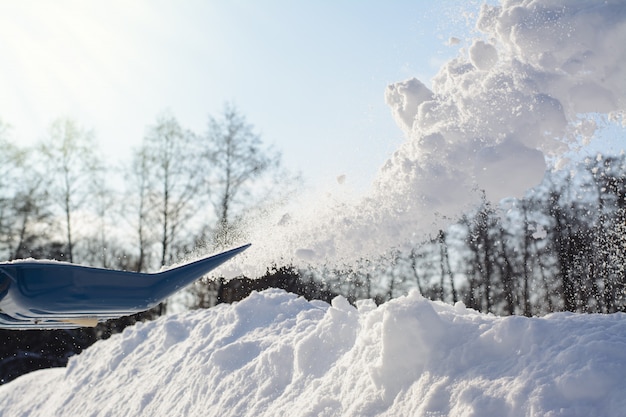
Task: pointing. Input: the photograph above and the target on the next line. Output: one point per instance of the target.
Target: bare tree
(446, 269)
(31, 215)
(480, 241)
(168, 183)
(101, 246)
(609, 179)
(70, 159)
(138, 189)
(239, 162)
(10, 161)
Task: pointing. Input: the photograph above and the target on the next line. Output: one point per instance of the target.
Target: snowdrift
(277, 354)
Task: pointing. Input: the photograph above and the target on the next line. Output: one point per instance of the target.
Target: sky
(310, 76)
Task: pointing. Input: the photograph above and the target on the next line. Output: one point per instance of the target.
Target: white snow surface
(276, 354)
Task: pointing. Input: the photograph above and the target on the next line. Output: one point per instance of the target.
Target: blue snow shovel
(55, 295)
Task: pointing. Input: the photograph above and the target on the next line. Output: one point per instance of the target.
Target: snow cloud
(516, 96)
(528, 88)
(512, 98)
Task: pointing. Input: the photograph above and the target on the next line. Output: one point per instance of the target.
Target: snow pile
(531, 86)
(276, 354)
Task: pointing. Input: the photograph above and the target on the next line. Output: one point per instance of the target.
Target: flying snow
(529, 88)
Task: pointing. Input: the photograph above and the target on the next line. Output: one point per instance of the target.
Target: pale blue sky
(309, 75)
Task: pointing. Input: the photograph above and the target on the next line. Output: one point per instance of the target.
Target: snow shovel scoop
(58, 295)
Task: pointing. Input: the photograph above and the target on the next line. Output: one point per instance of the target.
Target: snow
(517, 96)
(528, 88)
(277, 354)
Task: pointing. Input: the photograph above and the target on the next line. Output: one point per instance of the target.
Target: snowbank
(276, 354)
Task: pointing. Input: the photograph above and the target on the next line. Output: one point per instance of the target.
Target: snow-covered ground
(275, 354)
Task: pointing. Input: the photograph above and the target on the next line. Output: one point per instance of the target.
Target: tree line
(560, 248)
